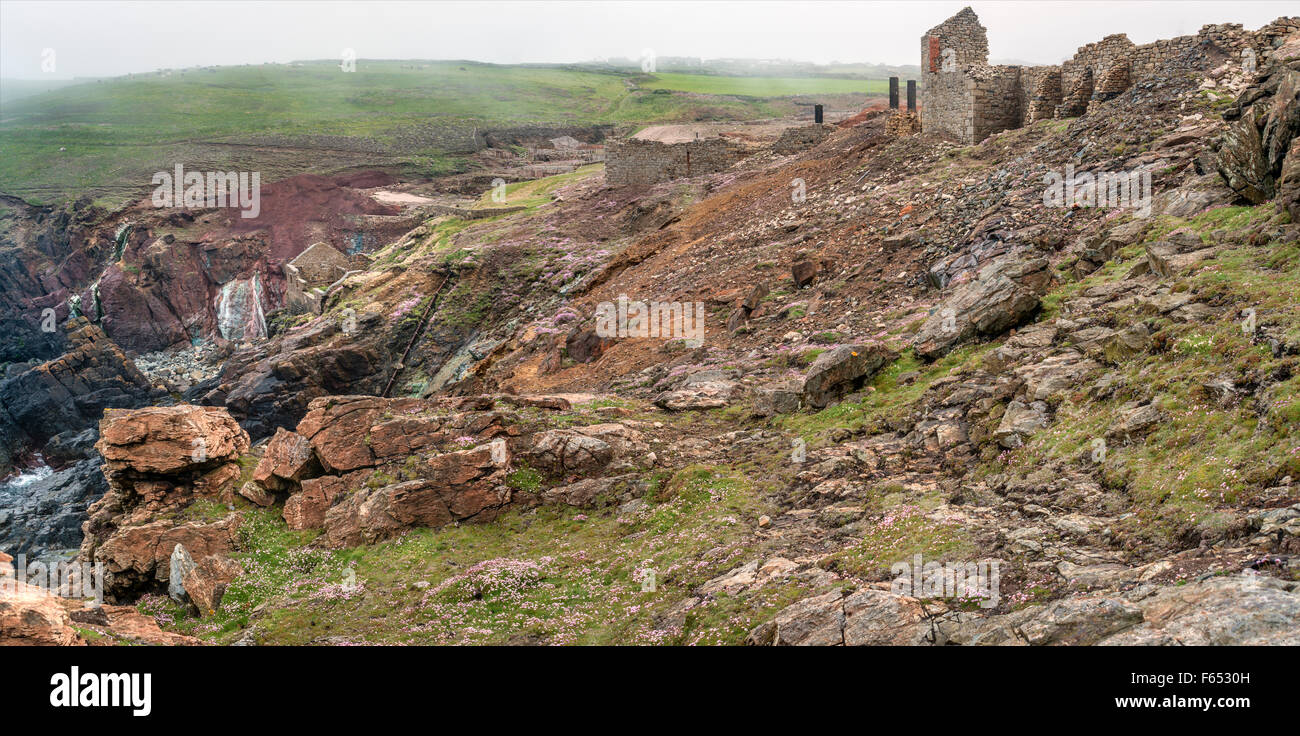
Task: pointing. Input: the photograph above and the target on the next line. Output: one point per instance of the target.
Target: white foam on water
(22, 480)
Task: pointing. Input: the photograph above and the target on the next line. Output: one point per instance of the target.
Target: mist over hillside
(660, 350)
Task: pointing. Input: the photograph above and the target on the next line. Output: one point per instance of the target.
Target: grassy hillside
(106, 138)
(766, 86)
(16, 89)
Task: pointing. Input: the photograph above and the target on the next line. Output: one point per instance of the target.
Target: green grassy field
(766, 86)
(105, 138)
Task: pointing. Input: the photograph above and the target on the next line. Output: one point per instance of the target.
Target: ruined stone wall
(947, 92)
(1228, 40)
(963, 96)
(1093, 61)
(1040, 93)
(642, 163)
(793, 140)
(320, 264)
(995, 100)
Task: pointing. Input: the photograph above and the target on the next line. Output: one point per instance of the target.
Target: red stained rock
(207, 582)
(140, 556)
(306, 509)
(287, 460)
(31, 616)
(457, 486)
(169, 439)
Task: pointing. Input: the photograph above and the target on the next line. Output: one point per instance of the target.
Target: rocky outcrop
(70, 393)
(157, 461)
(1177, 253)
(287, 460)
(868, 617)
(1005, 294)
(710, 389)
(138, 558)
(842, 370)
(1238, 610)
(31, 616)
(1255, 153)
(365, 469)
(271, 385)
(206, 582)
(465, 485)
(45, 515)
(168, 440)
(565, 451)
(387, 465)
(348, 433)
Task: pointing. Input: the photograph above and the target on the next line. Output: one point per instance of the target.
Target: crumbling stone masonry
(965, 97)
(642, 163)
(793, 140)
(308, 277)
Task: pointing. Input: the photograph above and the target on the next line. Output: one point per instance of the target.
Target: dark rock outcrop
(1005, 294)
(69, 393)
(841, 370)
(1256, 154)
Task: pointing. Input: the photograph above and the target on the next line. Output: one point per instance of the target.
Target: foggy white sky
(112, 38)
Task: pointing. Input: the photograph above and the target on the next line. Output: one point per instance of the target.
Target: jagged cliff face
(164, 278)
(920, 355)
(81, 288)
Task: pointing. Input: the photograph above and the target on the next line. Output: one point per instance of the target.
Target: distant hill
(758, 68)
(16, 89)
(107, 138)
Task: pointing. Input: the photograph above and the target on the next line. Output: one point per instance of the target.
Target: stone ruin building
(966, 98)
(309, 276)
(637, 162)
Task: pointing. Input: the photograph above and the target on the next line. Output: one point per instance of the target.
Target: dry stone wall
(793, 140)
(965, 98)
(642, 163)
(947, 92)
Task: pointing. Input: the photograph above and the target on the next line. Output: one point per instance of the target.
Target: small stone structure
(636, 162)
(965, 97)
(309, 276)
(643, 161)
(793, 140)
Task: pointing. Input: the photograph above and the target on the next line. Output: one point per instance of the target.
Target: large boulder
(306, 508)
(568, 451)
(288, 459)
(867, 617)
(1288, 194)
(32, 616)
(206, 582)
(1241, 161)
(168, 440)
(842, 370)
(349, 433)
(157, 461)
(1004, 295)
(1019, 422)
(1234, 610)
(708, 389)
